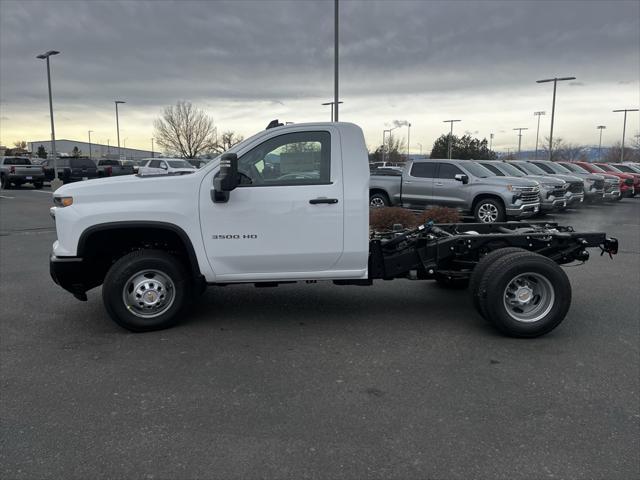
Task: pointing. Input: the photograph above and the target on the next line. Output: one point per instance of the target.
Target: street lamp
(335, 60)
(89, 132)
(624, 128)
(600, 127)
(451, 133)
(420, 145)
(555, 81)
(408, 139)
(520, 138)
(490, 141)
(383, 144)
(118, 125)
(152, 153)
(331, 103)
(45, 56)
(538, 114)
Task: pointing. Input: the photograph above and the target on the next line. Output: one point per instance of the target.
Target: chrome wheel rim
(488, 213)
(376, 202)
(529, 297)
(148, 294)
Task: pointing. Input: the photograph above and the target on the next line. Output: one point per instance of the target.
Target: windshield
(476, 170)
(531, 169)
(557, 168)
(596, 168)
(180, 164)
(625, 168)
(607, 168)
(510, 170)
(572, 167)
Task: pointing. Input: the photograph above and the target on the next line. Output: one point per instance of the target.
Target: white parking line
(4, 196)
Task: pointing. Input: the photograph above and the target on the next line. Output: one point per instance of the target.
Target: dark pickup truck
(113, 168)
(71, 169)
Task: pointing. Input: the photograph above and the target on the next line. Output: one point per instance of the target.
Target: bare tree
(227, 140)
(563, 150)
(185, 130)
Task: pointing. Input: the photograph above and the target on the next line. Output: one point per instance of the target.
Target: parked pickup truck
(575, 190)
(19, 170)
(626, 180)
(593, 185)
(461, 184)
(155, 242)
(71, 169)
(112, 168)
(611, 183)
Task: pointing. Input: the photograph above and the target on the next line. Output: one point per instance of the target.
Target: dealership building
(95, 150)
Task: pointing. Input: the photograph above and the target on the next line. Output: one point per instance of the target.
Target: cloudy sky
(248, 62)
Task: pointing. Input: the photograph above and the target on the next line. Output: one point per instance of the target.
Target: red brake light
(12, 169)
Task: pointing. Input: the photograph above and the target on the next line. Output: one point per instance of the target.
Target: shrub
(439, 215)
(384, 218)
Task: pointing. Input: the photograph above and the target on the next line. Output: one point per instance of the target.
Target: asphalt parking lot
(399, 380)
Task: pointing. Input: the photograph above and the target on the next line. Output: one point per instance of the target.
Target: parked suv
(70, 169)
(552, 190)
(461, 184)
(575, 192)
(626, 180)
(593, 183)
(163, 166)
(611, 187)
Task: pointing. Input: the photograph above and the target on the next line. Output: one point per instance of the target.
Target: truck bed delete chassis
(454, 249)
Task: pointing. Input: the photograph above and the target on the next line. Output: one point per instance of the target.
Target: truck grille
(628, 181)
(530, 195)
(610, 186)
(557, 191)
(576, 187)
(598, 184)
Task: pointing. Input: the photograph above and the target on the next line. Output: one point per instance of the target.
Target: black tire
(451, 283)
(546, 284)
(38, 185)
(134, 264)
(379, 199)
(5, 184)
(489, 210)
(481, 267)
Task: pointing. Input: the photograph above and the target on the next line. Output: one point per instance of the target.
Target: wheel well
(378, 190)
(101, 246)
(484, 196)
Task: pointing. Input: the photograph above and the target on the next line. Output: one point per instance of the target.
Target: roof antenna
(274, 124)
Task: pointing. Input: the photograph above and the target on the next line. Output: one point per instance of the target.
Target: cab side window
(301, 158)
(154, 164)
(448, 171)
(423, 170)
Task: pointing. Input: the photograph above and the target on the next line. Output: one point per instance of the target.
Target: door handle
(439, 184)
(315, 201)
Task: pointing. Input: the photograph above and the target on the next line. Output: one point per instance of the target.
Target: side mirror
(227, 179)
(461, 177)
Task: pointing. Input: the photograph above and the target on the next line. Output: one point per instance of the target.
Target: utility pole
(408, 140)
(90, 142)
(520, 138)
(335, 61)
(384, 146)
(450, 133)
(538, 114)
(555, 81)
(600, 127)
(624, 128)
(118, 126)
(45, 56)
(152, 154)
(490, 141)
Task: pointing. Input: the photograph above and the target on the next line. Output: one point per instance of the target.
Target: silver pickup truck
(19, 170)
(460, 184)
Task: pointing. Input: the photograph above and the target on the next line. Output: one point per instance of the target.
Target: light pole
(408, 139)
(538, 114)
(108, 146)
(420, 145)
(118, 125)
(624, 128)
(490, 141)
(520, 138)
(383, 144)
(152, 153)
(555, 81)
(335, 61)
(89, 132)
(450, 133)
(330, 103)
(600, 127)
(45, 56)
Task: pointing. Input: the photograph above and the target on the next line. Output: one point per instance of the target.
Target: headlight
(549, 186)
(62, 201)
(517, 188)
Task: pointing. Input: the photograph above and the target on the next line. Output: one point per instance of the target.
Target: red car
(626, 180)
(614, 167)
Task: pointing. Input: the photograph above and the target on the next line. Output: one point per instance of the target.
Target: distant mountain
(591, 153)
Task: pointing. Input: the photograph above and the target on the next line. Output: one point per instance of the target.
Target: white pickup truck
(291, 204)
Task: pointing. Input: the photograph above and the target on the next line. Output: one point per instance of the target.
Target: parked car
(575, 192)
(593, 183)
(552, 190)
(617, 167)
(611, 188)
(461, 184)
(163, 166)
(71, 169)
(626, 180)
(18, 171)
(113, 168)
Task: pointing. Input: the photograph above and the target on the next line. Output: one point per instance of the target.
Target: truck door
(417, 185)
(286, 217)
(447, 190)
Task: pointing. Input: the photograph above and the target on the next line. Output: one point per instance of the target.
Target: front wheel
(38, 185)
(524, 294)
(489, 210)
(146, 290)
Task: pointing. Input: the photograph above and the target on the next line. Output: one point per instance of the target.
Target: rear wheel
(489, 210)
(377, 200)
(146, 290)
(525, 294)
(5, 184)
(38, 185)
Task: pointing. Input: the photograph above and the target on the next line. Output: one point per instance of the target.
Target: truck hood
(502, 181)
(548, 180)
(566, 177)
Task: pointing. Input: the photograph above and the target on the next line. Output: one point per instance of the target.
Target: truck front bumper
(36, 178)
(74, 275)
(552, 203)
(523, 211)
(612, 195)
